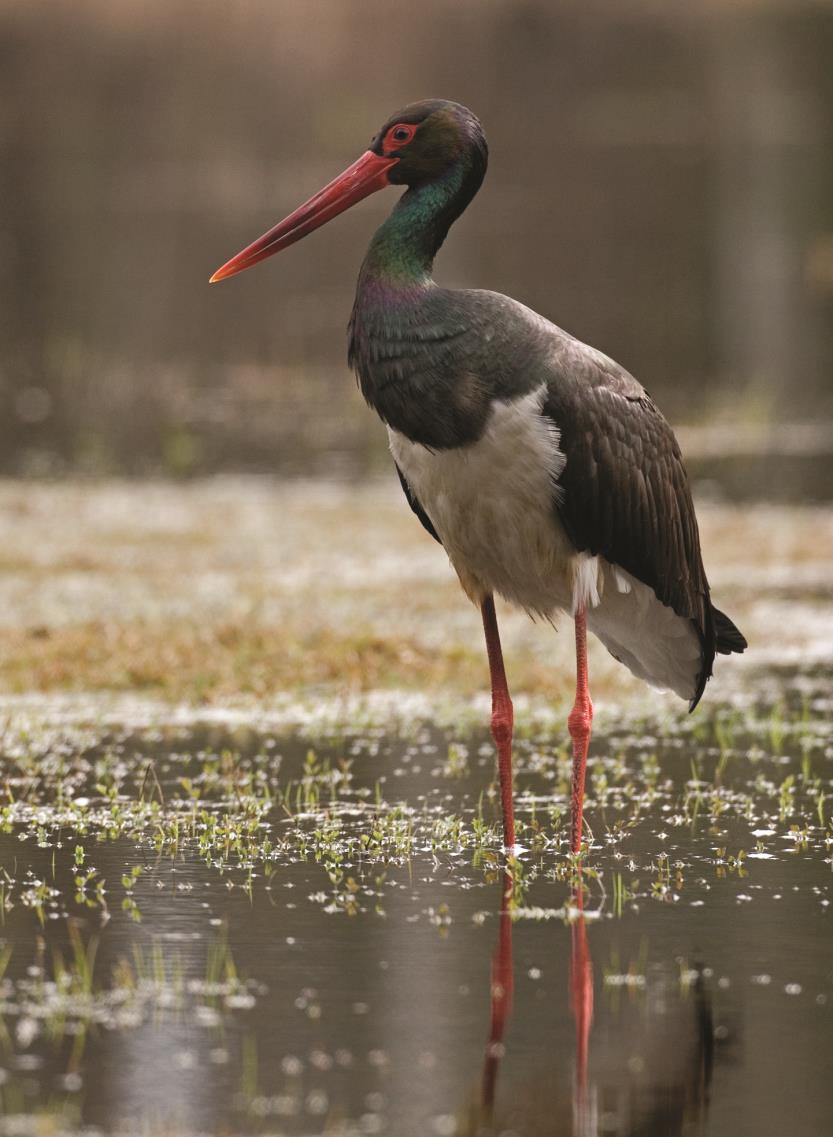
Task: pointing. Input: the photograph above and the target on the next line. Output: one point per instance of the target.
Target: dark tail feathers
(727, 638)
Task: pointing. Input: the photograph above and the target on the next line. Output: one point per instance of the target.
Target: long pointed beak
(367, 174)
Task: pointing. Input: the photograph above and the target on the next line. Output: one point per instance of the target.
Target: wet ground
(238, 910)
(210, 929)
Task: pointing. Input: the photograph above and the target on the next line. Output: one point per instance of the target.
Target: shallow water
(209, 929)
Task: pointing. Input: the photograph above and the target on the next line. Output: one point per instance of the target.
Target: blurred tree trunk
(769, 161)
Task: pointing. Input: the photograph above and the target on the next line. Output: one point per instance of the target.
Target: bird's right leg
(502, 718)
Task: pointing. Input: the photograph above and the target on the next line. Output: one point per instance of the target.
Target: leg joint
(502, 722)
(581, 718)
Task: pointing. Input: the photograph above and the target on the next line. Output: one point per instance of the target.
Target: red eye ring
(399, 135)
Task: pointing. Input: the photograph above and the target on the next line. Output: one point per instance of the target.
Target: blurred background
(661, 185)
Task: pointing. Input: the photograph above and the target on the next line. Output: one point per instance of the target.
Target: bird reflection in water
(652, 1069)
(500, 998)
(581, 1004)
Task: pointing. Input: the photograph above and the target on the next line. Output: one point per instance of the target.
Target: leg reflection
(652, 1053)
(500, 998)
(581, 1004)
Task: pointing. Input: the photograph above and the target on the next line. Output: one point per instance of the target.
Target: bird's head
(419, 144)
(428, 139)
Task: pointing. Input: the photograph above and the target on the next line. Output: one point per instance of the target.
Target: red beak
(367, 174)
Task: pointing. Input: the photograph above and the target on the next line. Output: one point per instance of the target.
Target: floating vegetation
(270, 802)
(65, 998)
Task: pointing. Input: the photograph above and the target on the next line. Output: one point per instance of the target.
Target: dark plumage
(432, 368)
(626, 494)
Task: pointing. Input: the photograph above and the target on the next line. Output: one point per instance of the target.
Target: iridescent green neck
(404, 247)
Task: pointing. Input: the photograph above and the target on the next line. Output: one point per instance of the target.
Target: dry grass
(187, 662)
(230, 589)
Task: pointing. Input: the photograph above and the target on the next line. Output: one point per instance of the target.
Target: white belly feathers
(492, 504)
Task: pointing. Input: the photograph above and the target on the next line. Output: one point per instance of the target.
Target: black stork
(544, 469)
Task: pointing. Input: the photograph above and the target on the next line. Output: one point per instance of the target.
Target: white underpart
(646, 635)
(492, 504)
(586, 580)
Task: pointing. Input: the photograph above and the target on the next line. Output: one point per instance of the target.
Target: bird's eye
(398, 135)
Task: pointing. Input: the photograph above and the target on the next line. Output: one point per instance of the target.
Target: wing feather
(413, 502)
(626, 494)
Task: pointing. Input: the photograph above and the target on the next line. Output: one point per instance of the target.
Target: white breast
(492, 504)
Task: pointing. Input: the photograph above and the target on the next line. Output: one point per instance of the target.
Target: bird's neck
(398, 326)
(403, 249)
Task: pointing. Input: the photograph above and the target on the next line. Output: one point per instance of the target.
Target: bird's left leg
(579, 723)
(502, 718)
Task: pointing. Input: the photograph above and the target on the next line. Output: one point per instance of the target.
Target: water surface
(216, 929)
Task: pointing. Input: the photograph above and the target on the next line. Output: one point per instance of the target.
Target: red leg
(502, 718)
(579, 723)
